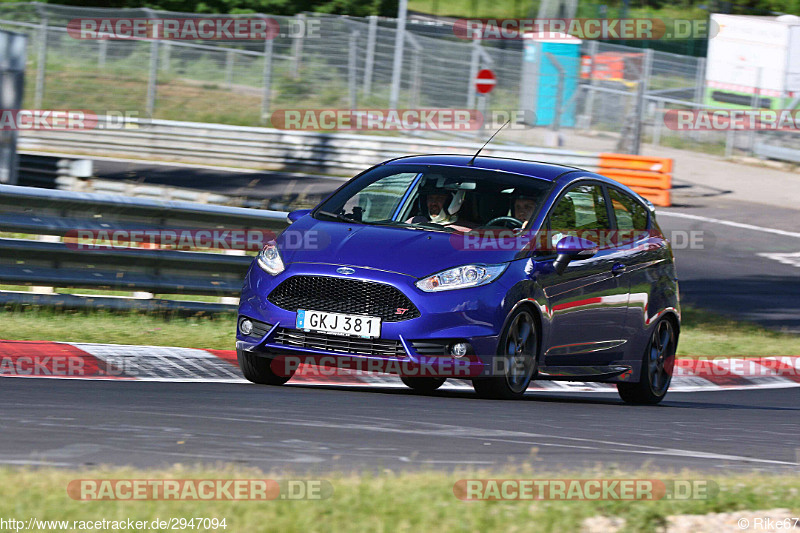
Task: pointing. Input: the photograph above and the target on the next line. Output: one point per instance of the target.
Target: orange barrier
(649, 176)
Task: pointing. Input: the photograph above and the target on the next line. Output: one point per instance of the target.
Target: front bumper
(469, 315)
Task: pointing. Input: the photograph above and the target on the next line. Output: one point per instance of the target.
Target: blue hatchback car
(499, 271)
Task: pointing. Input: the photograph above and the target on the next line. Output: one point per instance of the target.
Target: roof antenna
(472, 161)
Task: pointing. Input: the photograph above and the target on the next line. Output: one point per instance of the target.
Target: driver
(442, 207)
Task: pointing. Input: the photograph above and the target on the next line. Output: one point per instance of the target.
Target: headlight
(461, 277)
(269, 259)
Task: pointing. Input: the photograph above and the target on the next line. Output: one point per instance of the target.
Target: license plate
(339, 324)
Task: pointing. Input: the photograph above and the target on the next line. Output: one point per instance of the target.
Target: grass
(387, 501)
(702, 333)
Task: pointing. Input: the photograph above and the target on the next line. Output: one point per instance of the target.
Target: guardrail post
(41, 64)
(152, 80)
(266, 81)
(352, 67)
(370, 59)
(297, 47)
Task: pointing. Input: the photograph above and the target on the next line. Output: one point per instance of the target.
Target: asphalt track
(73, 423)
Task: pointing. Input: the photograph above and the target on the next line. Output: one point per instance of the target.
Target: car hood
(396, 249)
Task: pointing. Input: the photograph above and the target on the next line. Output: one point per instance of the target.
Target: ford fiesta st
(501, 271)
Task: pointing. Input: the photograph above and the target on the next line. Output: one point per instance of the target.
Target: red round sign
(485, 81)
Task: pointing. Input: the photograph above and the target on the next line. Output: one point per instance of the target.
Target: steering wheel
(509, 222)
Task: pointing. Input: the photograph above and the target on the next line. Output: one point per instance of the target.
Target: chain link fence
(324, 61)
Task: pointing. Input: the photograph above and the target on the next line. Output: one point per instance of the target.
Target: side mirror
(293, 216)
(570, 248)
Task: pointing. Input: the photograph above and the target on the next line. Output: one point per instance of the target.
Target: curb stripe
(172, 364)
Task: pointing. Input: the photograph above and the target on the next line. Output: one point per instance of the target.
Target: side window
(630, 214)
(582, 208)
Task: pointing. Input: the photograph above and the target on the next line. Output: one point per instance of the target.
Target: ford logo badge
(345, 270)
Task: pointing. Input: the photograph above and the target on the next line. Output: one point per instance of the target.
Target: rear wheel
(423, 385)
(259, 369)
(657, 365)
(517, 354)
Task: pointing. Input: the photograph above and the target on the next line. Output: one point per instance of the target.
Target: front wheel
(657, 365)
(259, 369)
(517, 354)
(423, 385)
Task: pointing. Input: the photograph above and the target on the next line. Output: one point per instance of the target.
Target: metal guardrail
(268, 148)
(43, 212)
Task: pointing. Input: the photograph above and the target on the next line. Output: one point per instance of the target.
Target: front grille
(337, 343)
(340, 295)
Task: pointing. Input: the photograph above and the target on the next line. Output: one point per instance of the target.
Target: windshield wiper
(339, 216)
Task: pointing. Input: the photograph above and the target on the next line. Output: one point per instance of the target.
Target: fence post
(229, 60)
(700, 80)
(397, 63)
(152, 79)
(266, 81)
(659, 117)
(166, 55)
(41, 64)
(101, 53)
(474, 63)
(297, 47)
(370, 59)
(730, 140)
(755, 103)
(588, 108)
(555, 137)
(352, 68)
(641, 90)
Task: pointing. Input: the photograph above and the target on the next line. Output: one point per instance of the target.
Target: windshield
(442, 198)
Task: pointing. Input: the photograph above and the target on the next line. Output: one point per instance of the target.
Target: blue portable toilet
(539, 90)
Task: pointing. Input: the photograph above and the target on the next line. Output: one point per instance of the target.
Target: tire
(518, 350)
(258, 369)
(657, 364)
(423, 385)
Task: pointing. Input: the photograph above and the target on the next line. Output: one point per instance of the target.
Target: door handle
(617, 269)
